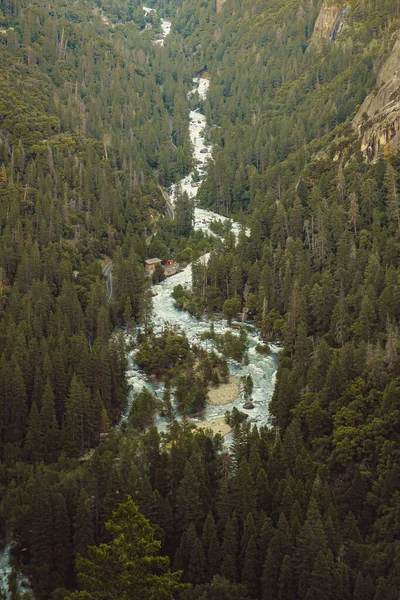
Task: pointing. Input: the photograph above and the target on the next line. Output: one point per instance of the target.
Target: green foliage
(165, 355)
(183, 299)
(231, 345)
(143, 409)
(230, 308)
(247, 385)
(263, 349)
(307, 508)
(234, 417)
(184, 213)
(130, 565)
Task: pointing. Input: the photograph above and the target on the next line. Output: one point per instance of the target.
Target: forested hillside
(93, 120)
(91, 123)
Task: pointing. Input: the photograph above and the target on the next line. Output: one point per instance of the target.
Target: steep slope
(274, 90)
(378, 118)
(329, 23)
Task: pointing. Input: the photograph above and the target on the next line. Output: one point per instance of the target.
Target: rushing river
(261, 368)
(165, 26)
(6, 572)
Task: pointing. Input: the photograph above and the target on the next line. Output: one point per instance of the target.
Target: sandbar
(225, 393)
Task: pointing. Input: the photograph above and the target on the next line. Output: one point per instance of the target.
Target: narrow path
(107, 272)
(170, 209)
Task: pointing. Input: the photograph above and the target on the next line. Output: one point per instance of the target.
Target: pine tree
(262, 490)
(279, 545)
(210, 543)
(185, 547)
(392, 195)
(341, 583)
(189, 505)
(354, 211)
(103, 323)
(42, 536)
(224, 501)
(382, 590)
(60, 381)
(164, 520)
(254, 458)
(74, 417)
(359, 587)
(367, 318)
(83, 525)
(129, 566)
(271, 569)
(3, 174)
(265, 536)
(197, 563)
(249, 575)
(243, 496)
(17, 406)
(312, 540)
(321, 579)
(4, 378)
(286, 583)
(48, 424)
(62, 550)
(332, 535)
(33, 439)
(229, 550)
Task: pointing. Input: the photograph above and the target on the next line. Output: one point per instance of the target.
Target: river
(165, 27)
(6, 572)
(261, 368)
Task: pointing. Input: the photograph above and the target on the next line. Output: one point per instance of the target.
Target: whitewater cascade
(261, 368)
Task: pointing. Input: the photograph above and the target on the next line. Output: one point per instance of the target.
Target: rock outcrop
(329, 23)
(378, 118)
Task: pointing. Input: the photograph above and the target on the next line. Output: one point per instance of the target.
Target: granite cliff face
(378, 118)
(329, 23)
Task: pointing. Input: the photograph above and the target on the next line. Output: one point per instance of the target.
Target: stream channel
(261, 368)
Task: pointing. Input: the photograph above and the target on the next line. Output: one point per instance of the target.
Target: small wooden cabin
(150, 264)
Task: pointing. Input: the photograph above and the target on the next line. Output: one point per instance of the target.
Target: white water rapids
(261, 368)
(165, 26)
(6, 572)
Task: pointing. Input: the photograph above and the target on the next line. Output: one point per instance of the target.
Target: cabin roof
(152, 261)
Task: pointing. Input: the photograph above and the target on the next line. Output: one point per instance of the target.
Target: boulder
(248, 405)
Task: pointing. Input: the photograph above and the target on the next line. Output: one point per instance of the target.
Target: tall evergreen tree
(33, 439)
(48, 424)
(188, 501)
(130, 565)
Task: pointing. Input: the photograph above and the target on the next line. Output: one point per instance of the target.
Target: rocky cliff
(329, 23)
(378, 118)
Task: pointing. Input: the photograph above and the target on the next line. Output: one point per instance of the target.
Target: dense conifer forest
(94, 126)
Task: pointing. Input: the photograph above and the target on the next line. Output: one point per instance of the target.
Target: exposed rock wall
(378, 118)
(329, 23)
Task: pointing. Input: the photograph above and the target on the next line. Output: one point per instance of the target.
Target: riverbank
(225, 393)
